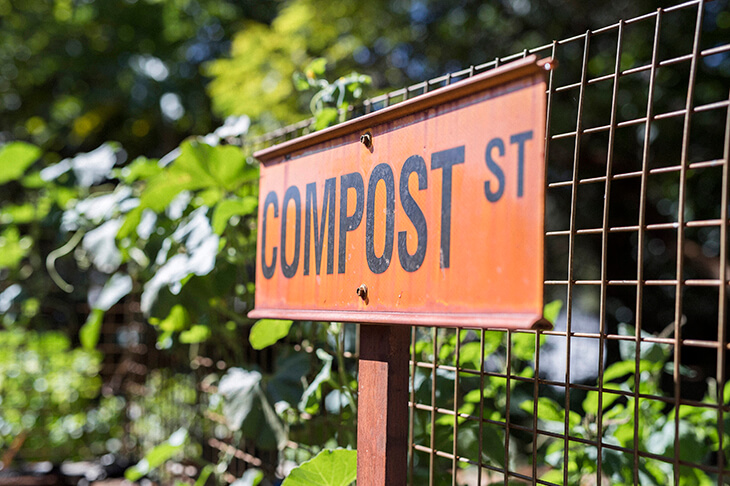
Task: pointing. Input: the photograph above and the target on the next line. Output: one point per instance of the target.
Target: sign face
(427, 212)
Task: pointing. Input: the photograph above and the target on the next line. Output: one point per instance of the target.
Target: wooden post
(382, 422)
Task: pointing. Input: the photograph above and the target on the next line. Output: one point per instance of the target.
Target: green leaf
(158, 455)
(551, 310)
(300, 82)
(493, 444)
(329, 468)
(222, 166)
(267, 332)
(549, 410)
(205, 474)
(325, 117)
(590, 404)
(228, 208)
(131, 221)
(140, 168)
(163, 188)
(196, 334)
(13, 247)
(316, 68)
(91, 330)
(523, 346)
(21, 214)
(177, 320)
(15, 158)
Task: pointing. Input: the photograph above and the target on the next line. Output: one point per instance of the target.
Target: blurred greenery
(126, 176)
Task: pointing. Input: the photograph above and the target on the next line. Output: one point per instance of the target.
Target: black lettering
(268, 270)
(520, 139)
(411, 263)
(445, 160)
(328, 211)
(385, 173)
(349, 223)
(291, 194)
(496, 170)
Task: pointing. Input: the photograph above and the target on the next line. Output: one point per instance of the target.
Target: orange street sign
(428, 212)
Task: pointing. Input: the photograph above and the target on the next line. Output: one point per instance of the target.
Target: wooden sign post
(429, 212)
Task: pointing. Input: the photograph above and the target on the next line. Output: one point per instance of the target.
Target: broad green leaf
(15, 158)
(590, 404)
(329, 468)
(222, 166)
(140, 168)
(552, 310)
(196, 334)
(547, 409)
(470, 355)
(523, 346)
(228, 208)
(618, 370)
(209, 197)
(267, 332)
(163, 188)
(90, 331)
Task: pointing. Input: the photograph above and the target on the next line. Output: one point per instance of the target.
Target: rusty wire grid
(630, 385)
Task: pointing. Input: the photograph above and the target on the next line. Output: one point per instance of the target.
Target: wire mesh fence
(630, 385)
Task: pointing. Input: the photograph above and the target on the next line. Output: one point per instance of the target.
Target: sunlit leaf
(196, 334)
(158, 455)
(118, 286)
(101, 245)
(552, 310)
(237, 388)
(176, 320)
(329, 468)
(252, 477)
(15, 158)
(228, 208)
(267, 332)
(91, 330)
(13, 247)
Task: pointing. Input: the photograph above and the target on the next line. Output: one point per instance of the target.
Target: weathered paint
(441, 217)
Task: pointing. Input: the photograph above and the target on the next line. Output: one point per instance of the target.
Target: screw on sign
(432, 210)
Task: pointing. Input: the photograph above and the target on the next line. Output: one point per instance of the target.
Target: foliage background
(125, 176)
